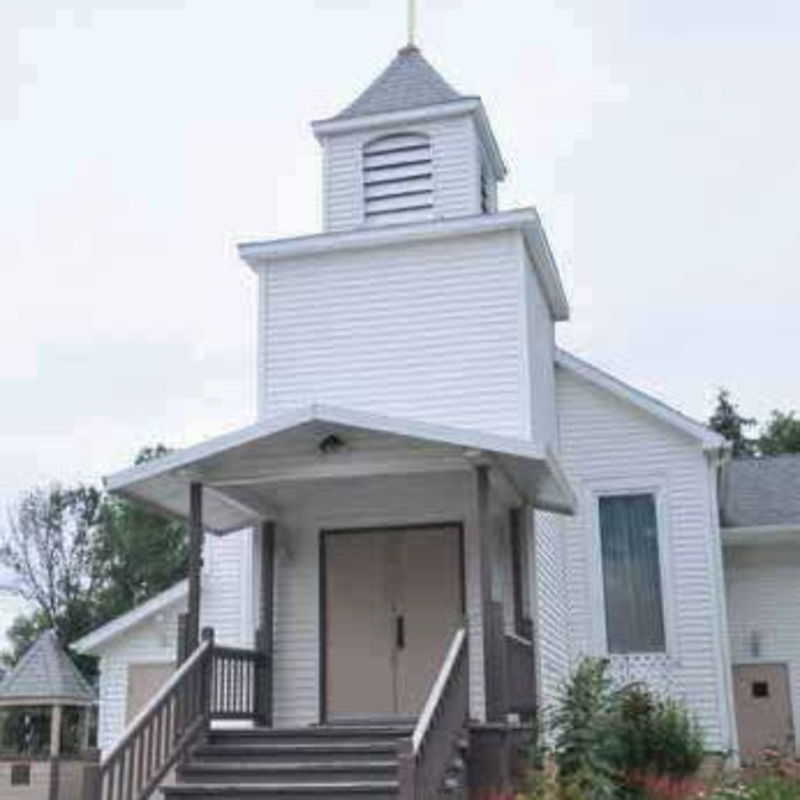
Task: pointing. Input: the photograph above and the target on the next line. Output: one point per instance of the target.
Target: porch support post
(492, 679)
(267, 618)
(195, 565)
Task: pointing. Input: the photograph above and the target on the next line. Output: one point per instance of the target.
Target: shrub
(583, 723)
(657, 736)
(611, 743)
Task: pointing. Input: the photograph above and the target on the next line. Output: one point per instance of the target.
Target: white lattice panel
(657, 670)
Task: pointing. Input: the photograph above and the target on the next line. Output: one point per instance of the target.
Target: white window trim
(658, 487)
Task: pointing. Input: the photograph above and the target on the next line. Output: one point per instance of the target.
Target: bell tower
(410, 148)
(420, 299)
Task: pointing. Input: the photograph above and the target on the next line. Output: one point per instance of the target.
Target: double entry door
(392, 601)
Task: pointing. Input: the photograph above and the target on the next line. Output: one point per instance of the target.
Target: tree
(49, 548)
(728, 422)
(142, 554)
(82, 558)
(781, 434)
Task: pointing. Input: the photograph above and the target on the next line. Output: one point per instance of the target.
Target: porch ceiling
(238, 468)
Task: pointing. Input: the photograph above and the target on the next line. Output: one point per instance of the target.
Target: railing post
(267, 627)
(91, 782)
(406, 770)
(207, 675)
(181, 653)
(195, 563)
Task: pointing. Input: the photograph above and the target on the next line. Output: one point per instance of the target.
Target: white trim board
(89, 643)
(656, 408)
(525, 220)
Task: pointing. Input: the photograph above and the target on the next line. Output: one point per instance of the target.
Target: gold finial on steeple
(412, 22)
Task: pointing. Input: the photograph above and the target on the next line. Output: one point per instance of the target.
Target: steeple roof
(45, 675)
(408, 82)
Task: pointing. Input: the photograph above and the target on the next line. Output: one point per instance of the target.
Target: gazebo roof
(45, 675)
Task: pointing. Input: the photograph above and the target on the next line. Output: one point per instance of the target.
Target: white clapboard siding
(455, 170)
(432, 331)
(539, 361)
(226, 606)
(763, 594)
(550, 605)
(607, 443)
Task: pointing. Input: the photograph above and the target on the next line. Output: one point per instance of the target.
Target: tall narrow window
(398, 178)
(631, 574)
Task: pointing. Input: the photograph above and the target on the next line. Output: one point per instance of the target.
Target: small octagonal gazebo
(45, 711)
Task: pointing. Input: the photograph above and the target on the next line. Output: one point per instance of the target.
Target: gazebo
(45, 712)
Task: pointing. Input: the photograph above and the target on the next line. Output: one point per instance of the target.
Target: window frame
(658, 488)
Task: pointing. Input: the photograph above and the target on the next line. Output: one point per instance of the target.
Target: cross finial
(412, 22)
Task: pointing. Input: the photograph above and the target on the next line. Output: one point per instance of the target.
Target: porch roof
(321, 442)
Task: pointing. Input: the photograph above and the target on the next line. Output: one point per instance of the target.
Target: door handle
(400, 631)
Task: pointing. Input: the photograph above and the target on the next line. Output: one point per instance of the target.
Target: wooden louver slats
(398, 178)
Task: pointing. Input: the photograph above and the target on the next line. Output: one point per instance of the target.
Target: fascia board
(259, 254)
(331, 127)
(92, 641)
(656, 408)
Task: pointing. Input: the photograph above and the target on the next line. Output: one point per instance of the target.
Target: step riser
(229, 739)
(283, 796)
(187, 793)
(265, 777)
(256, 756)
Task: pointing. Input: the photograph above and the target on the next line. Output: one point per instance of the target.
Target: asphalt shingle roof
(761, 491)
(46, 673)
(408, 82)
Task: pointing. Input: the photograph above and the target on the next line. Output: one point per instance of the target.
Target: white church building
(438, 512)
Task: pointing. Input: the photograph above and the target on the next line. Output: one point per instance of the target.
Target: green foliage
(728, 422)
(611, 743)
(781, 434)
(583, 723)
(656, 736)
(81, 558)
(141, 555)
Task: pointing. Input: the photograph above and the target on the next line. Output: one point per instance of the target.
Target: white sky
(141, 139)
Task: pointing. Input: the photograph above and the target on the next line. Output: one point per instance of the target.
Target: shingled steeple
(408, 82)
(410, 148)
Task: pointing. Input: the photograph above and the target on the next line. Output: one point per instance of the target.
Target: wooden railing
(521, 675)
(237, 688)
(425, 756)
(212, 683)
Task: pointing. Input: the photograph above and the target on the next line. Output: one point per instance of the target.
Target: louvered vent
(398, 179)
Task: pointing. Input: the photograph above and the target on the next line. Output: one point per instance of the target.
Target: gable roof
(761, 492)
(92, 642)
(238, 470)
(45, 675)
(655, 408)
(408, 82)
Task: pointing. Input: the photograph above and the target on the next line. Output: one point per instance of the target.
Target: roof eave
(709, 440)
(334, 126)
(761, 534)
(409, 116)
(92, 642)
(55, 700)
(259, 254)
(537, 473)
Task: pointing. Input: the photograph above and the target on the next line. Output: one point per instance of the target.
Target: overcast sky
(141, 139)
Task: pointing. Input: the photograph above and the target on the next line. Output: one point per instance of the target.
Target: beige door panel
(359, 643)
(144, 680)
(763, 709)
(430, 606)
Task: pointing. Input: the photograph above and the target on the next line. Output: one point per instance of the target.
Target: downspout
(717, 460)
